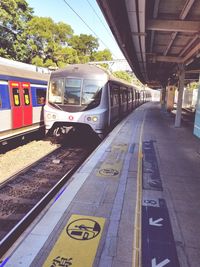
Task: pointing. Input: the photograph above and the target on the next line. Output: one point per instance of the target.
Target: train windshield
(72, 93)
(75, 92)
(55, 91)
(81, 92)
(91, 91)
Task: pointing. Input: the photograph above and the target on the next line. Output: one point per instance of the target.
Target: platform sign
(78, 242)
(197, 117)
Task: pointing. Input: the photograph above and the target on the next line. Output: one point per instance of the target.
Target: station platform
(134, 202)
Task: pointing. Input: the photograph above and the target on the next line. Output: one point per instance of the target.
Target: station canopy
(156, 37)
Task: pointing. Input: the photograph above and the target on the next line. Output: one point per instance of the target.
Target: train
(85, 97)
(22, 99)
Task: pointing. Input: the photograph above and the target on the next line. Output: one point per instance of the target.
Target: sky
(90, 13)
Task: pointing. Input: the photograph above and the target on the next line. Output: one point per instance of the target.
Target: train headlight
(88, 118)
(92, 118)
(51, 116)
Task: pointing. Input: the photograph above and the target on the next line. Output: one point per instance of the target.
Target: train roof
(88, 71)
(8, 71)
(81, 70)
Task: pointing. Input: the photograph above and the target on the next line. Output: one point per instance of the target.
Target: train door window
(72, 92)
(16, 97)
(115, 96)
(26, 97)
(129, 95)
(123, 95)
(41, 96)
(133, 94)
(111, 96)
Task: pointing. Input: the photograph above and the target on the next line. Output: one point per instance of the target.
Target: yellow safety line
(138, 208)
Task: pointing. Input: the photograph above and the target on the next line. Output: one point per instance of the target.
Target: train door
(21, 105)
(115, 102)
(27, 104)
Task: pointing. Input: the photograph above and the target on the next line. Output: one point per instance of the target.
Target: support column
(180, 95)
(163, 99)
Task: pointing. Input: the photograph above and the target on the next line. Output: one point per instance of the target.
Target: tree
(85, 45)
(123, 75)
(41, 41)
(193, 85)
(64, 56)
(14, 15)
(47, 39)
(102, 55)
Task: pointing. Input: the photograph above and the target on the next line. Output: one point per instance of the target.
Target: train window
(123, 95)
(55, 91)
(133, 94)
(72, 91)
(115, 96)
(16, 97)
(111, 97)
(129, 95)
(90, 92)
(41, 96)
(26, 97)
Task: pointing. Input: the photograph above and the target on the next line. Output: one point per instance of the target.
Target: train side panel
(21, 105)
(5, 109)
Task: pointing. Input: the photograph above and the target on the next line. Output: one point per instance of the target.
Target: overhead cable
(86, 24)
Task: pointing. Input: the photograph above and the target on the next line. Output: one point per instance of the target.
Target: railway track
(24, 195)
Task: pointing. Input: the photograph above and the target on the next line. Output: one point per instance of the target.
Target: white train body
(87, 97)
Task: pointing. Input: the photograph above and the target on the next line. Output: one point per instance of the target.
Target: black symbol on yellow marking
(83, 229)
(61, 262)
(108, 172)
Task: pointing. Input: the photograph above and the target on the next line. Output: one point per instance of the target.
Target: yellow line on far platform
(138, 208)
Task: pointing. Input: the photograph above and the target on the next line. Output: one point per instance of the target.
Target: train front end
(77, 100)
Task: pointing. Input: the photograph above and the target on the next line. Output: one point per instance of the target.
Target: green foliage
(102, 55)
(193, 85)
(41, 41)
(123, 75)
(85, 45)
(46, 39)
(14, 14)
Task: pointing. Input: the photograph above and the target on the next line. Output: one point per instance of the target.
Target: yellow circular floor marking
(78, 242)
(108, 172)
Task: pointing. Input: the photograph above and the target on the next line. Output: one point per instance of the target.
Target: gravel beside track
(17, 159)
(31, 189)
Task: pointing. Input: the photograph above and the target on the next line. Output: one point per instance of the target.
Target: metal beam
(193, 71)
(168, 59)
(192, 53)
(190, 44)
(186, 8)
(173, 25)
(180, 95)
(184, 12)
(155, 14)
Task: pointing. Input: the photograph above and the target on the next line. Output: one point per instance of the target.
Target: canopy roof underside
(156, 36)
